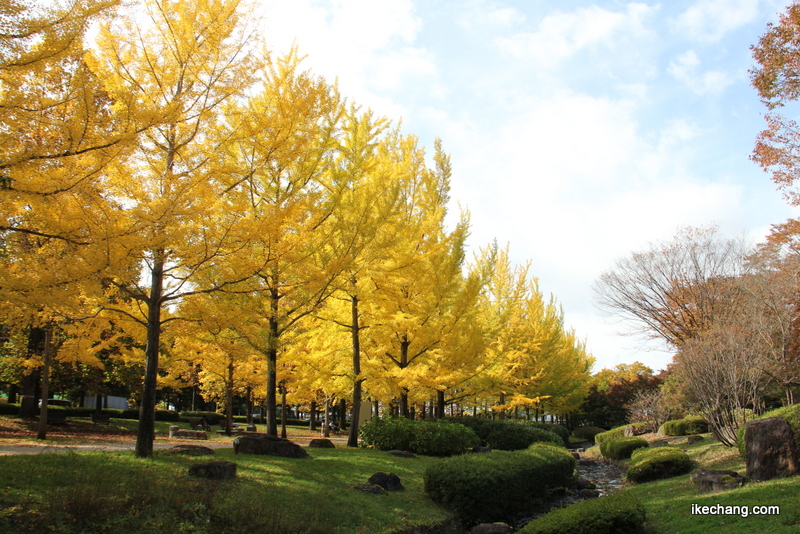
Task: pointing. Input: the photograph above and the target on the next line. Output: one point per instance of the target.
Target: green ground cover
(114, 492)
(669, 503)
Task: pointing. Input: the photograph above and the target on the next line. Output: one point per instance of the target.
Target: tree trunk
(272, 363)
(312, 420)
(249, 405)
(229, 400)
(147, 412)
(283, 411)
(502, 414)
(326, 427)
(48, 360)
(352, 436)
(440, 404)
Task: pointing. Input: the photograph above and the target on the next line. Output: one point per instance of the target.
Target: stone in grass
(219, 470)
(191, 450)
(770, 449)
(389, 482)
(693, 439)
(321, 443)
(491, 528)
(402, 454)
(268, 445)
(716, 480)
(480, 449)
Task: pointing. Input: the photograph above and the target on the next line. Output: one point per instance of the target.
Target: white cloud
(711, 20)
(482, 14)
(687, 69)
(563, 34)
(366, 45)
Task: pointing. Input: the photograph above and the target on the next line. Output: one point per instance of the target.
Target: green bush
(608, 435)
(436, 438)
(432, 438)
(7, 408)
(620, 449)
(387, 434)
(617, 513)
(587, 433)
(510, 434)
(658, 463)
(560, 431)
(689, 425)
(498, 485)
(790, 413)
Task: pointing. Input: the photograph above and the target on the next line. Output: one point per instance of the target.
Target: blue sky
(579, 131)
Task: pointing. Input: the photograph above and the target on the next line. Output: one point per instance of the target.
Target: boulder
(584, 483)
(175, 432)
(716, 480)
(659, 443)
(693, 439)
(491, 528)
(587, 493)
(268, 445)
(481, 449)
(321, 443)
(191, 450)
(634, 430)
(389, 482)
(770, 449)
(219, 470)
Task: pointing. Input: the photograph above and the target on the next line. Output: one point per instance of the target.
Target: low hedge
(498, 485)
(432, 438)
(587, 433)
(790, 413)
(689, 425)
(510, 434)
(612, 514)
(622, 448)
(608, 435)
(658, 463)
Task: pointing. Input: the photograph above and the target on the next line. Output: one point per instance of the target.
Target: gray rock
(481, 449)
(268, 445)
(587, 494)
(389, 482)
(770, 449)
(321, 443)
(693, 439)
(176, 433)
(584, 483)
(220, 470)
(716, 480)
(659, 443)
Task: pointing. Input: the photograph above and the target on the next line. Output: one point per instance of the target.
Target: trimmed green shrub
(613, 514)
(620, 449)
(689, 425)
(387, 434)
(790, 413)
(587, 433)
(499, 485)
(657, 463)
(608, 435)
(560, 431)
(509, 434)
(435, 438)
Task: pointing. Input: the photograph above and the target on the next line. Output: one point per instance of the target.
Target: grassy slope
(669, 502)
(274, 494)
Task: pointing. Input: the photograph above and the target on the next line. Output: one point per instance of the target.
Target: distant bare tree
(650, 407)
(675, 290)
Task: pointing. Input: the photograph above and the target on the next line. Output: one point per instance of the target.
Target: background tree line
(179, 207)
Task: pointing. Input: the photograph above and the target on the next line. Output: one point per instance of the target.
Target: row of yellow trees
(179, 196)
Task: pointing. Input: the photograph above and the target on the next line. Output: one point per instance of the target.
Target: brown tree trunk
(283, 411)
(312, 420)
(48, 360)
(352, 436)
(147, 411)
(229, 400)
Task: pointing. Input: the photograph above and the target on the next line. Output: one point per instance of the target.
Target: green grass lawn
(115, 492)
(669, 502)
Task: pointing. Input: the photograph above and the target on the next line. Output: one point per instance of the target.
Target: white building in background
(115, 403)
